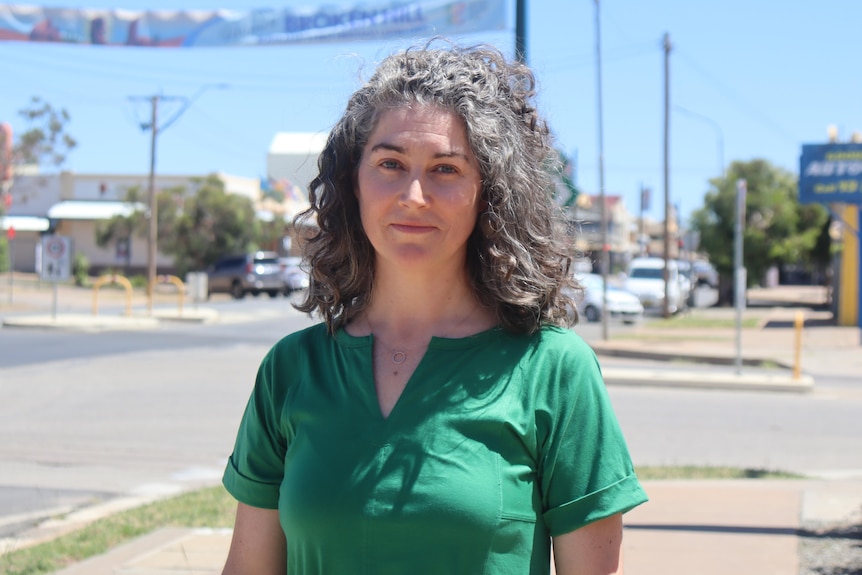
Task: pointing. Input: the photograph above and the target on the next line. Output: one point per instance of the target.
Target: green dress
(498, 442)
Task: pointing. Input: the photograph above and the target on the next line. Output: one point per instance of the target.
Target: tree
(211, 224)
(778, 230)
(195, 229)
(270, 234)
(122, 228)
(46, 142)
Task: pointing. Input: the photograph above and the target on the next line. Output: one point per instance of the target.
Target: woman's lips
(412, 227)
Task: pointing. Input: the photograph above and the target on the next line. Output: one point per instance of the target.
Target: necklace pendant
(399, 357)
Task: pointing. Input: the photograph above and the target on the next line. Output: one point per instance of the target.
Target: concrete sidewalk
(714, 527)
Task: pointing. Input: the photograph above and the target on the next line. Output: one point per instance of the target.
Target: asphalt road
(89, 417)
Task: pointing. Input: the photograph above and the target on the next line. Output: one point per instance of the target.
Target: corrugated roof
(92, 210)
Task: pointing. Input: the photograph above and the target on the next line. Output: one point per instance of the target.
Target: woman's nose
(414, 193)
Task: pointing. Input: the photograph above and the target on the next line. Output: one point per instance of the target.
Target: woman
(441, 419)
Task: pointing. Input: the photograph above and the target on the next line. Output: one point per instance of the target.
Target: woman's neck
(412, 306)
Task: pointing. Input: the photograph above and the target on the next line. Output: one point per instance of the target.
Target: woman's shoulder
(315, 342)
(289, 357)
(312, 333)
(547, 340)
(299, 342)
(559, 339)
(550, 348)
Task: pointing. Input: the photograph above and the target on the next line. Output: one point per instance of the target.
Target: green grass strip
(694, 472)
(210, 507)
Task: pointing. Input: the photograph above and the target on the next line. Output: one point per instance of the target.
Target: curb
(706, 380)
(611, 351)
(81, 322)
(90, 322)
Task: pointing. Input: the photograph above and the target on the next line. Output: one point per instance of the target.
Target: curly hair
(519, 257)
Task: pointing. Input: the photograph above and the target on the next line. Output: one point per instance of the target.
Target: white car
(621, 303)
(646, 280)
(293, 274)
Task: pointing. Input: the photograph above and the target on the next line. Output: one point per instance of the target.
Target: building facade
(73, 205)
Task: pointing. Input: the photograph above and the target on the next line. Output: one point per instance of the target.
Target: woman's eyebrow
(389, 147)
(401, 150)
(453, 154)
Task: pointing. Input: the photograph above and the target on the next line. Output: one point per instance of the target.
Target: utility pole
(153, 230)
(153, 209)
(521, 31)
(605, 255)
(666, 303)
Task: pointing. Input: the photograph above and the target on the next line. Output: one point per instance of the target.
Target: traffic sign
(56, 258)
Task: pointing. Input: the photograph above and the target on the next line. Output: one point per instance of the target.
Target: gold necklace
(399, 355)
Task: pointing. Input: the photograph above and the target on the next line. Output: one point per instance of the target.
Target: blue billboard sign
(270, 26)
(830, 173)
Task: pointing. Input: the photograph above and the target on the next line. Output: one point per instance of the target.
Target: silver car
(622, 304)
(253, 273)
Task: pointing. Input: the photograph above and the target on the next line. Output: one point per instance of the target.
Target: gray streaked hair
(519, 260)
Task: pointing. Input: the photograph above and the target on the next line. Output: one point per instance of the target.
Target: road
(88, 417)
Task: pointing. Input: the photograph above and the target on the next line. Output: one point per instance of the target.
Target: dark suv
(246, 273)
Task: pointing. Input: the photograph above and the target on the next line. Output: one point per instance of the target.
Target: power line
(731, 95)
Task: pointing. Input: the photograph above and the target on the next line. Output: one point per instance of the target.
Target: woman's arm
(594, 549)
(258, 546)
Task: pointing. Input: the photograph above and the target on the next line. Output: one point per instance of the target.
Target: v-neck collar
(365, 345)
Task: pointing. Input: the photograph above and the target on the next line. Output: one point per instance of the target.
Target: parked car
(241, 274)
(686, 276)
(622, 304)
(294, 276)
(646, 280)
(705, 274)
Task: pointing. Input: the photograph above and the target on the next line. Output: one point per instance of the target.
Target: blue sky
(748, 79)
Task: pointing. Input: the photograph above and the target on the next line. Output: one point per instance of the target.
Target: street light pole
(605, 255)
(666, 303)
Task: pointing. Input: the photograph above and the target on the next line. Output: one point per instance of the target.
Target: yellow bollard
(181, 288)
(798, 324)
(127, 285)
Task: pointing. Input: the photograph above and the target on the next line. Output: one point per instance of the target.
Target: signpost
(56, 263)
(740, 280)
(10, 235)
